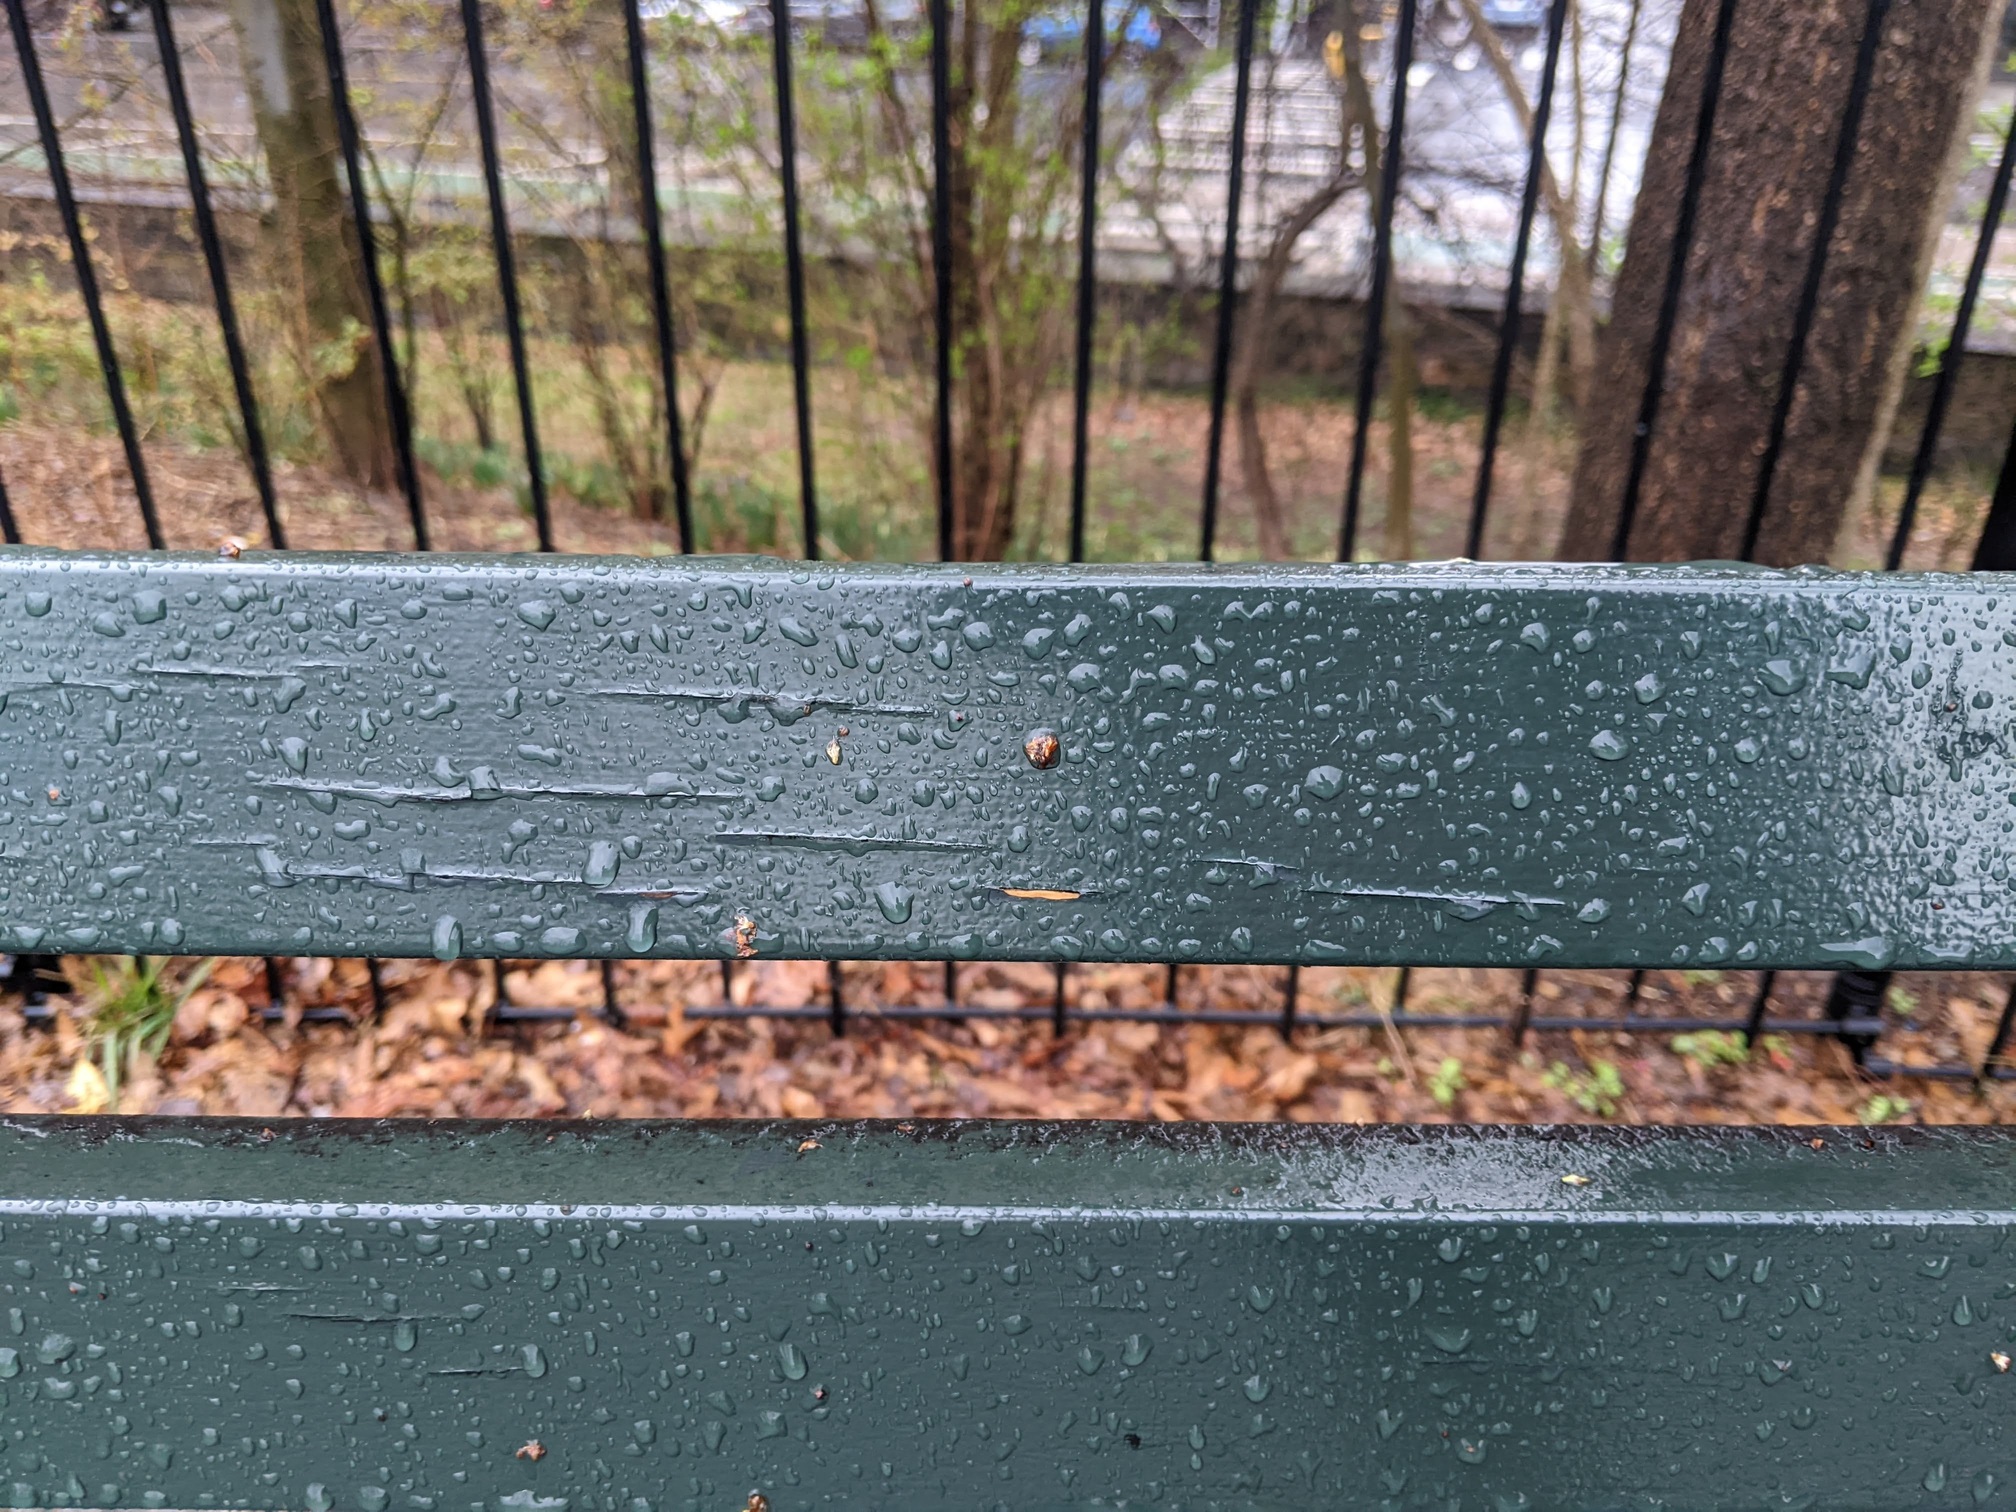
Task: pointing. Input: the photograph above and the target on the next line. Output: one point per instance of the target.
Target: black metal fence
(1854, 1008)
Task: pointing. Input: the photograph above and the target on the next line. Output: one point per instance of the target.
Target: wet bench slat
(365, 1316)
(580, 757)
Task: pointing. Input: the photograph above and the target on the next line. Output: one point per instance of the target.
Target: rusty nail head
(1041, 748)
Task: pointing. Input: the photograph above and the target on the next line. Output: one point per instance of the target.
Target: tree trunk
(1255, 336)
(1355, 116)
(315, 251)
(1789, 65)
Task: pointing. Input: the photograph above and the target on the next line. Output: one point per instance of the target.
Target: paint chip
(1042, 894)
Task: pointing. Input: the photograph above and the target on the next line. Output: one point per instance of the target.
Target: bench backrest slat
(585, 757)
(359, 1316)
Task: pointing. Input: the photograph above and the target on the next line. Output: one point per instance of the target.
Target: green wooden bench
(510, 757)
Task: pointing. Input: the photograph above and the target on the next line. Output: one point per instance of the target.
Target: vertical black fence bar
(801, 356)
(1617, 108)
(612, 1005)
(39, 976)
(80, 261)
(1291, 1000)
(1861, 994)
(1375, 322)
(1522, 1011)
(1816, 268)
(1996, 550)
(396, 410)
(1088, 306)
(654, 254)
(35, 975)
(1676, 277)
(1088, 256)
(794, 270)
(256, 456)
(1949, 363)
(941, 257)
(1382, 270)
(10, 533)
(507, 263)
(1803, 317)
(2001, 1037)
(1515, 290)
(1761, 1000)
(1228, 270)
(374, 285)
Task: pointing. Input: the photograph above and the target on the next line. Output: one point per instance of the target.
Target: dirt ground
(437, 1052)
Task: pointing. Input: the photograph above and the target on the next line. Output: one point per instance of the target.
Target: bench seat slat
(507, 756)
(356, 1317)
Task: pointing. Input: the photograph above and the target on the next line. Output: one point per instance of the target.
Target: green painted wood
(366, 1317)
(1428, 764)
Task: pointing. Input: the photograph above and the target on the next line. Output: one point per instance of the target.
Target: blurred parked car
(1060, 33)
(1515, 15)
(723, 14)
(841, 24)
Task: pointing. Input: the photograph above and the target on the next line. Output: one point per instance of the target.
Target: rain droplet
(1449, 1340)
(1608, 745)
(894, 901)
(1782, 677)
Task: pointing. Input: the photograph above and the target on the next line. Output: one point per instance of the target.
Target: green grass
(133, 1001)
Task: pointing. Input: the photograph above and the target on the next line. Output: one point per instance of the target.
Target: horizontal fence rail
(368, 1315)
(512, 756)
